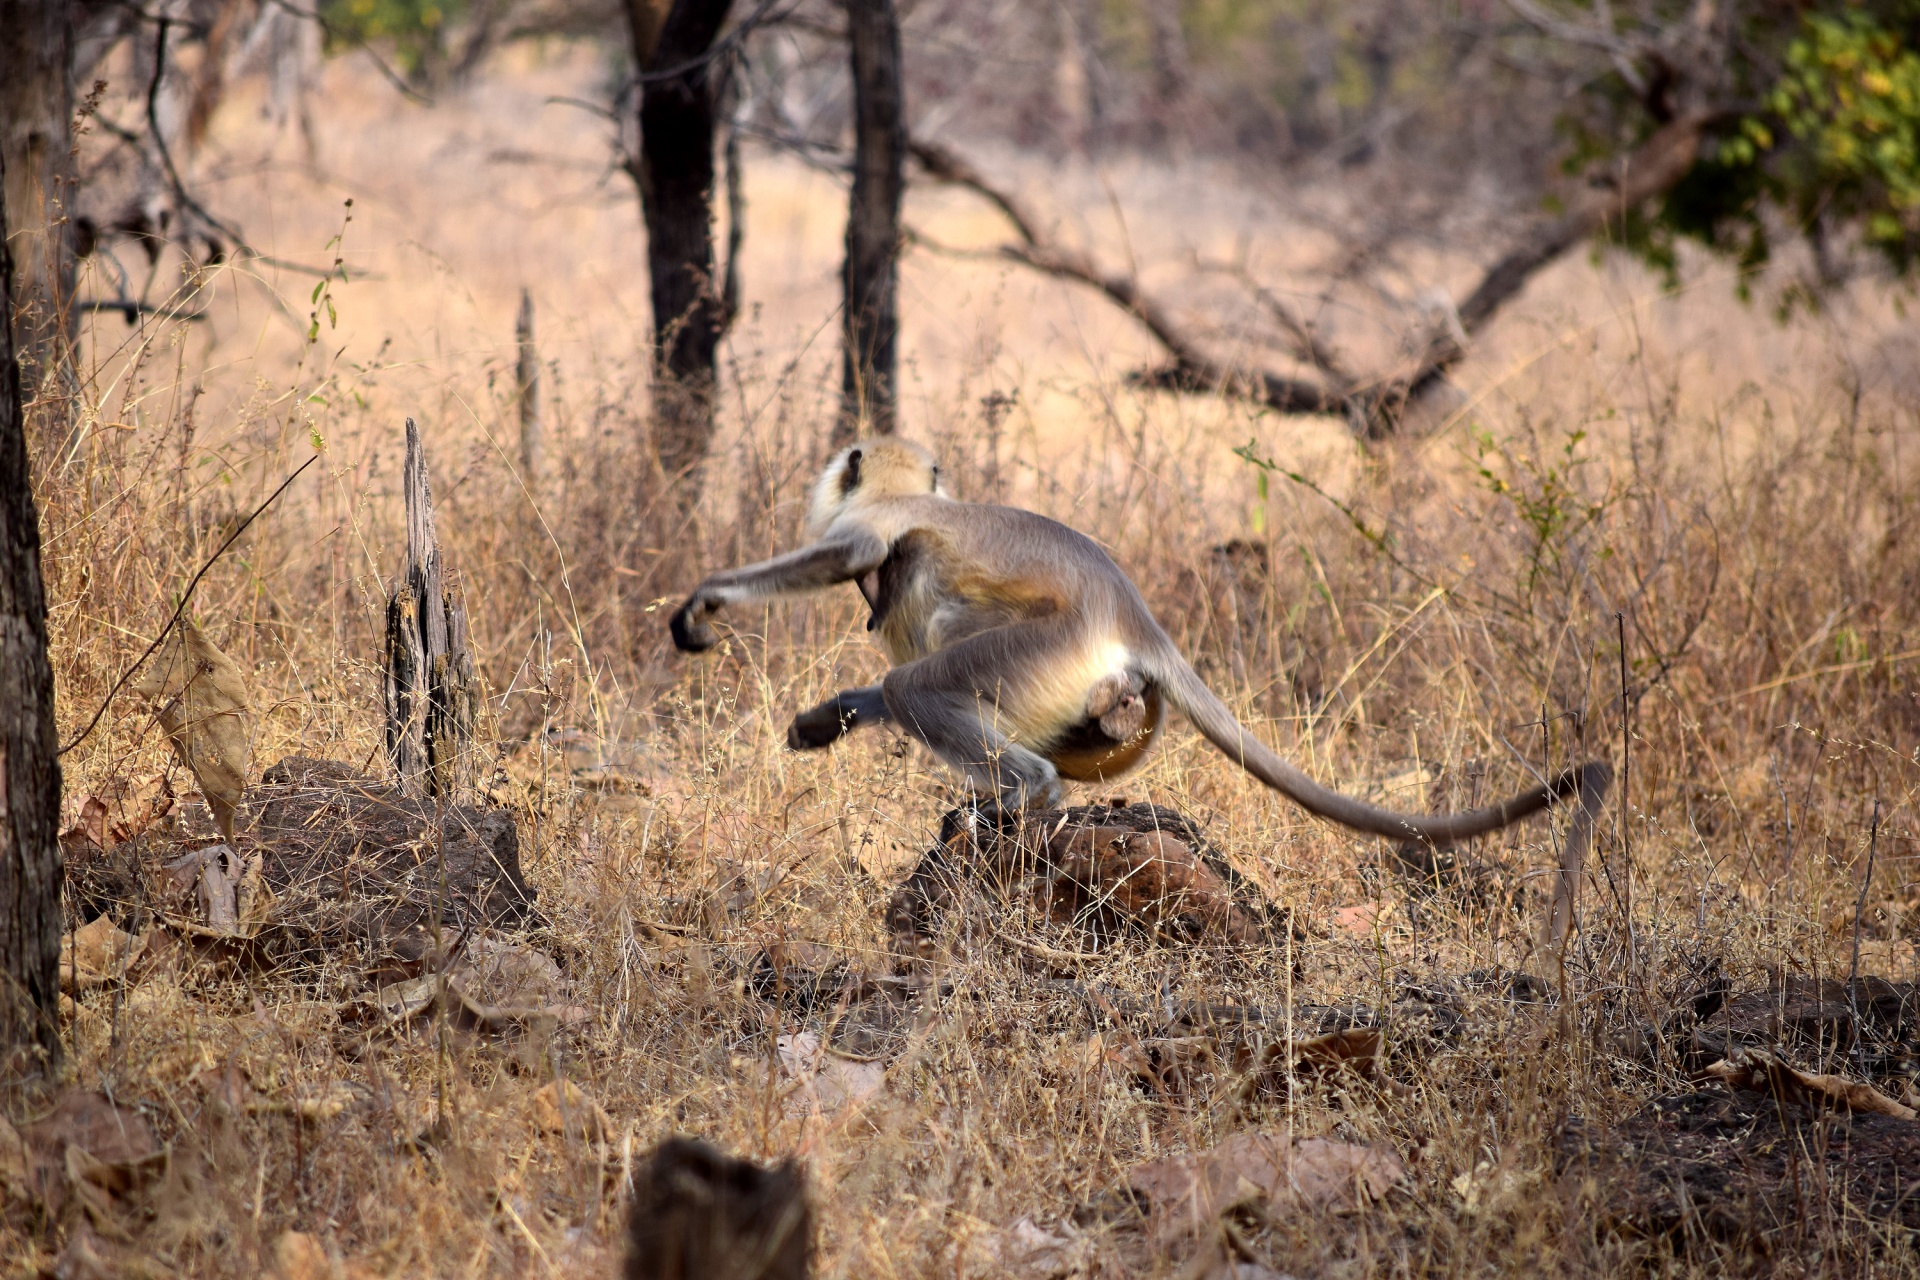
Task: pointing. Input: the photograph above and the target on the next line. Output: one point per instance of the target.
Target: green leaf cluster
(1850, 97)
(1826, 144)
(414, 30)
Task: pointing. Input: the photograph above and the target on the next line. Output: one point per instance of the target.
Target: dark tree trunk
(675, 172)
(870, 318)
(30, 867)
(36, 109)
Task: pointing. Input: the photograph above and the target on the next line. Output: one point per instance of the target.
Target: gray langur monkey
(1023, 654)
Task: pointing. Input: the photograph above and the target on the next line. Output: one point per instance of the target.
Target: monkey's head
(884, 468)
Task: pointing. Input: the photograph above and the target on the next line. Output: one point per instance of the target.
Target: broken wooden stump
(431, 689)
(700, 1215)
(1109, 870)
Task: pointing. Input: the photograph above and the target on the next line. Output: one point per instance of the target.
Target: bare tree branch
(1372, 405)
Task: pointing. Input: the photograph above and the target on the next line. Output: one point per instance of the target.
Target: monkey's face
(884, 468)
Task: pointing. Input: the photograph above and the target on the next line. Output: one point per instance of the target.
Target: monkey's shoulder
(981, 532)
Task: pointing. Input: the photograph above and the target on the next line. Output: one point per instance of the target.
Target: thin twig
(1860, 907)
(185, 597)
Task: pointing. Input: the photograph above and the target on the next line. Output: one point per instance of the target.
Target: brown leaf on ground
(1267, 1172)
(817, 1080)
(222, 894)
(88, 1149)
(200, 698)
(299, 1256)
(89, 827)
(1362, 919)
(565, 1108)
(96, 953)
(1758, 1072)
(1026, 1250)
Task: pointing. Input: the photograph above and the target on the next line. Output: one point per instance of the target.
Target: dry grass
(1442, 613)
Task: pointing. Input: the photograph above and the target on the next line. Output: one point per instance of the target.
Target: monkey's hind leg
(836, 717)
(942, 700)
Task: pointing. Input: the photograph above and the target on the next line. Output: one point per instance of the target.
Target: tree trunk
(870, 322)
(675, 173)
(30, 867)
(36, 108)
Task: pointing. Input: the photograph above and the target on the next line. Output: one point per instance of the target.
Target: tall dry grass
(1433, 622)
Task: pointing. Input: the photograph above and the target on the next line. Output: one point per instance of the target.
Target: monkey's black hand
(691, 634)
(821, 727)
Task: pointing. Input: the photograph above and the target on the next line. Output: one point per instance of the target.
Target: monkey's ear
(850, 478)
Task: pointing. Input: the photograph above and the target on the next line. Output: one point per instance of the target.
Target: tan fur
(1023, 654)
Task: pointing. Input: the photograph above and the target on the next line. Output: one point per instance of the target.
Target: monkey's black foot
(690, 634)
(823, 726)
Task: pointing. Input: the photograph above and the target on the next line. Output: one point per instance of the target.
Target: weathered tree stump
(1108, 869)
(431, 692)
(701, 1215)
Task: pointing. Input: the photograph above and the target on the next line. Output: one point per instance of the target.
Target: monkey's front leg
(836, 717)
(836, 559)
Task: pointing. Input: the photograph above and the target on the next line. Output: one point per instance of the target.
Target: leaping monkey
(1023, 655)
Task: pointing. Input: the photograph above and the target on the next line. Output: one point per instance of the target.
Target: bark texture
(675, 173)
(30, 864)
(431, 688)
(36, 107)
(869, 275)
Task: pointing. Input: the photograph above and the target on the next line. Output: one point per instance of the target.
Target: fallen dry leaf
(1026, 1250)
(563, 1107)
(494, 971)
(227, 894)
(96, 953)
(141, 803)
(91, 1150)
(1362, 919)
(821, 1081)
(299, 1256)
(200, 698)
(1264, 1171)
(1759, 1072)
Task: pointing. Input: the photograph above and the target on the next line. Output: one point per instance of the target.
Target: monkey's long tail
(1185, 690)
